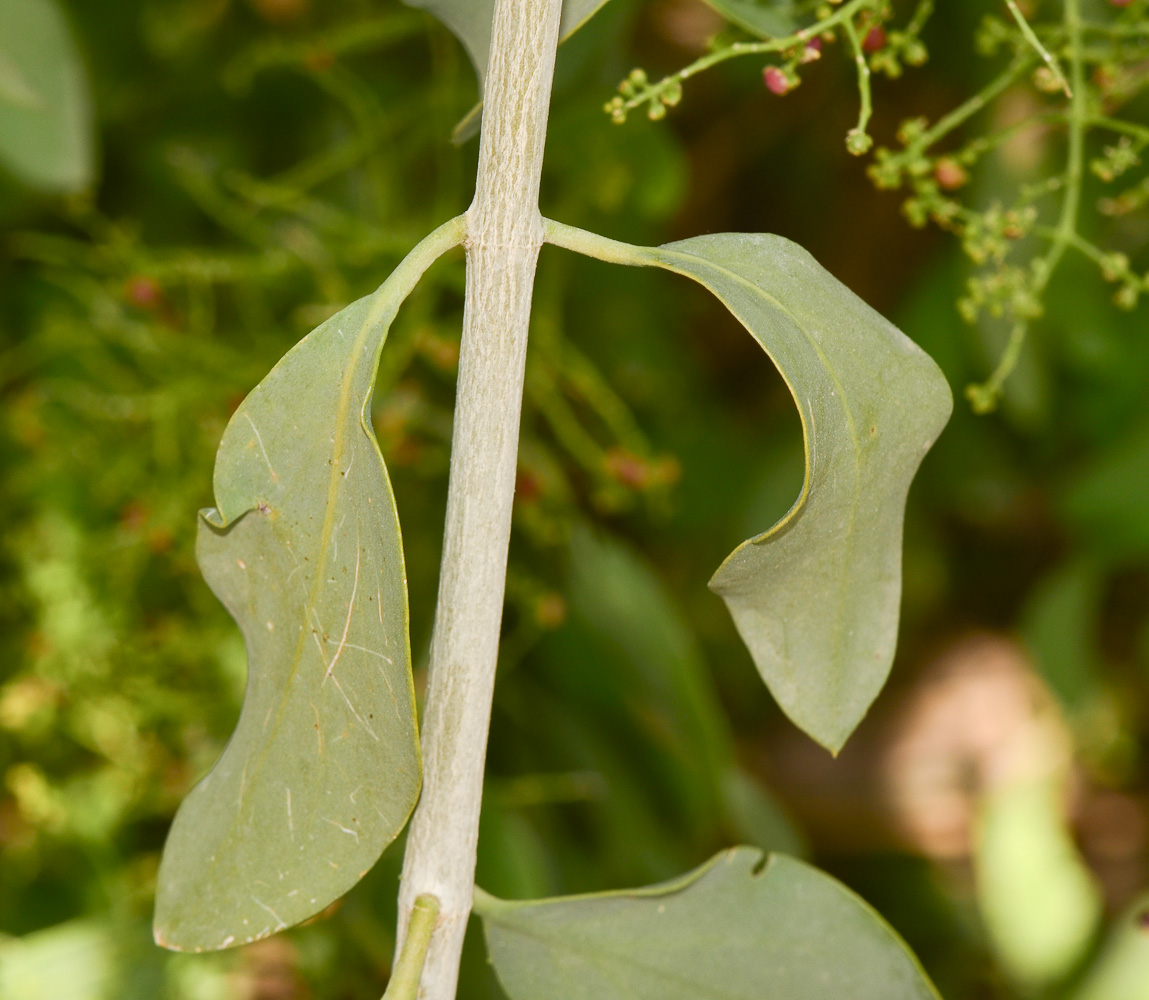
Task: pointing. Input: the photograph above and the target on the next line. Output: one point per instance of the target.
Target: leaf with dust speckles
(303, 548)
(816, 597)
(740, 927)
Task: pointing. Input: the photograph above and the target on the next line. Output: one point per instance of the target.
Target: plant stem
(405, 975)
(504, 233)
(1029, 35)
(984, 396)
(840, 16)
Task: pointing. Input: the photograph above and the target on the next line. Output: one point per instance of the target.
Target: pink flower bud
(775, 80)
(875, 40)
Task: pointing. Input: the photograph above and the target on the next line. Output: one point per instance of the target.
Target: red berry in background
(950, 174)
(527, 488)
(143, 292)
(775, 80)
(281, 11)
(1120, 3)
(875, 40)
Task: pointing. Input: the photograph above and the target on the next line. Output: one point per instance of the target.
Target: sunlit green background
(263, 162)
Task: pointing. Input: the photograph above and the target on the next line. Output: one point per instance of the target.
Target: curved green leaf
(304, 550)
(741, 927)
(470, 22)
(1121, 972)
(764, 18)
(816, 597)
(1039, 901)
(45, 109)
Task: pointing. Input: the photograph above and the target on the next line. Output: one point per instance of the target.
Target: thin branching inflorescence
(1078, 76)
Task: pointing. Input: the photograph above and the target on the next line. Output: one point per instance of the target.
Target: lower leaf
(304, 550)
(741, 927)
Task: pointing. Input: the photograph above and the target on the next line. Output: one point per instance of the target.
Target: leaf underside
(304, 550)
(740, 927)
(816, 597)
(45, 111)
(470, 22)
(772, 19)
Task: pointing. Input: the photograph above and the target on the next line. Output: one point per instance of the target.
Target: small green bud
(982, 400)
(914, 52)
(637, 78)
(671, 94)
(1126, 297)
(911, 130)
(1045, 80)
(858, 143)
(656, 111)
(1114, 266)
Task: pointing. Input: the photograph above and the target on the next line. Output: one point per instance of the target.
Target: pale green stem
(922, 14)
(406, 973)
(1031, 37)
(963, 112)
(1117, 30)
(857, 141)
(592, 245)
(1131, 129)
(840, 16)
(984, 397)
(504, 234)
(985, 143)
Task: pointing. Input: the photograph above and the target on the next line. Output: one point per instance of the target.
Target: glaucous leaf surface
(740, 927)
(45, 110)
(816, 597)
(766, 18)
(303, 548)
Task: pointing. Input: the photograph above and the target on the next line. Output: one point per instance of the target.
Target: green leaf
(816, 597)
(304, 550)
(46, 131)
(741, 927)
(1122, 971)
(1061, 625)
(768, 19)
(644, 650)
(470, 21)
(1105, 499)
(73, 961)
(1038, 899)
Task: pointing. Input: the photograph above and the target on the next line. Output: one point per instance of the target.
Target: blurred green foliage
(263, 162)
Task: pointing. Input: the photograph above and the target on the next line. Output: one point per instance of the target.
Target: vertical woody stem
(504, 233)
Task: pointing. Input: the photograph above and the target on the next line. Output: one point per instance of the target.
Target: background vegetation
(264, 162)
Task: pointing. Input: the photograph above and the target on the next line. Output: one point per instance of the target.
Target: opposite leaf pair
(304, 550)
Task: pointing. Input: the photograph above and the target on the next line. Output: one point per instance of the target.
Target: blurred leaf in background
(46, 127)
